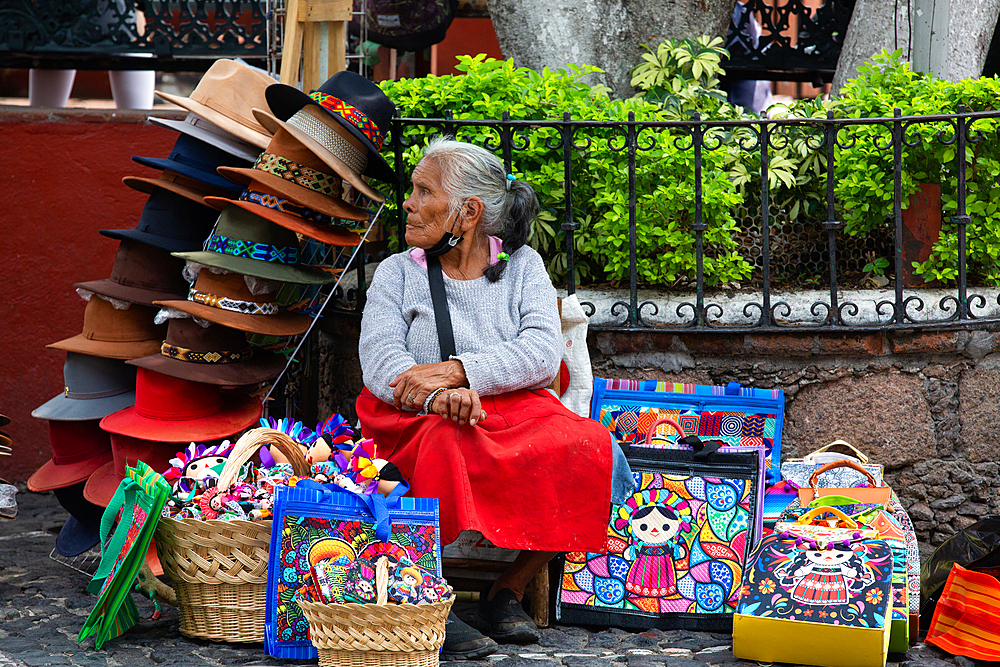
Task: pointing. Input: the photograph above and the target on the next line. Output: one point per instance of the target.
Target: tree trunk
(604, 33)
(949, 39)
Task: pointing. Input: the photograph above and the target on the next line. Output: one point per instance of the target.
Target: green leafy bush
(665, 185)
(864, 173)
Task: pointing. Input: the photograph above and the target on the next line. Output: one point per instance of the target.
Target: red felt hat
(78, 449)
(127, 450)
(169, 409)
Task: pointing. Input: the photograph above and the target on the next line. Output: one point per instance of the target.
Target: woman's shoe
(462, 642)
(505, 620)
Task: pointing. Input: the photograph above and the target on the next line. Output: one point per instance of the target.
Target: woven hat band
(264, 252)
(231, 304)
(317, 181)
(331, 140)
(205, 357)
(351, 114)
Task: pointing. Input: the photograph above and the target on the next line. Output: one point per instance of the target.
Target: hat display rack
(257, 212)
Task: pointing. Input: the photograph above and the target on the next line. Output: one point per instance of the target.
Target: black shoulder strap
(446, 335)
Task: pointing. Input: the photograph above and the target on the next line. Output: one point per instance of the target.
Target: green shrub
(664, 185)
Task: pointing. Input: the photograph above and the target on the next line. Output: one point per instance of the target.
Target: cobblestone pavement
(43, 604)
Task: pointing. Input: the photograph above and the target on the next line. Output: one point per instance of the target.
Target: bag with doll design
(818, 595)
(676, 548)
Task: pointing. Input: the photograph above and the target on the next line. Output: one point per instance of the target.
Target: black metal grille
(103, 34)
(797, 42)
(824, 244)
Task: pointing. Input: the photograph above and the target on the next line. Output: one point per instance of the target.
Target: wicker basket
(377, 635)
(219, 568)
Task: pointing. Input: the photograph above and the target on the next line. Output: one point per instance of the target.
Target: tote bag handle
(814, 513)
(843, 463)
(843, 443)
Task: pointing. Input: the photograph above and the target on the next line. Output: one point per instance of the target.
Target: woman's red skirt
(532, 476)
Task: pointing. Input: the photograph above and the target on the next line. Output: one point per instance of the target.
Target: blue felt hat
(82, 530)
(171, 222)
(197, 160)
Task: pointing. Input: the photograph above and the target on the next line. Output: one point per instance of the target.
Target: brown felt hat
(115, 334)
(172, 181)
(141, 274)
(325, 198)
(214, 355)
(321, 231)
(224, 298)
(323, 147)
(226, 95)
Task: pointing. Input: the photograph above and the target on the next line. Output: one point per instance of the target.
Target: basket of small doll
(377, 634)
(218, 567)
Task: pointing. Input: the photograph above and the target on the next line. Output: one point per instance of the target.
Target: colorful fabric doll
(656, 520)
(196, 467)
(824, 577)
(406, 586)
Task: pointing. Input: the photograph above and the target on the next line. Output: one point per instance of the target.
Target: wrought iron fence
(897, 139)
(106, 34)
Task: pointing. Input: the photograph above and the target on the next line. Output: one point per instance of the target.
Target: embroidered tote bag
(127, 528)
(734, 414)
(799, 470)
(313, 522)
(676, 548)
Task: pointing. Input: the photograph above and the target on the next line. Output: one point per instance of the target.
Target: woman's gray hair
(468, 171)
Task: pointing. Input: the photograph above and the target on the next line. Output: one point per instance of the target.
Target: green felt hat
(246, 243)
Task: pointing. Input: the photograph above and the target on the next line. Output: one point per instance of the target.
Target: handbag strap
(818, 512)
(702, 450)
(442, 318)
(843, 463)
(842, 443)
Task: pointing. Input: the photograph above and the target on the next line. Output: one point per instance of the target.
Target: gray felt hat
(94, 388)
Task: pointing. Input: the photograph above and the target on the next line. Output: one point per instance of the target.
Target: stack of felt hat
(8, 501)
(120, 319)
(217, 261)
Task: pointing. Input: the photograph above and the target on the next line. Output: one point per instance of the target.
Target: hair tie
(503, 256)
(510, 181)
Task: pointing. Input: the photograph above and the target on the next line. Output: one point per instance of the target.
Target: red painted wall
(61, 182)
(466, 36)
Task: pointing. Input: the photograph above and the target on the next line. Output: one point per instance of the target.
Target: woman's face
(427, 207)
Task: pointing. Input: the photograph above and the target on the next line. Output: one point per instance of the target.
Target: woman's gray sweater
(507, 333)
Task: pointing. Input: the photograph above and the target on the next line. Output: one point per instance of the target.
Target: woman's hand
(413, 385)
(461, 405)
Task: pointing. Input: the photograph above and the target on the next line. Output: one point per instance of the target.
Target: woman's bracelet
(429, 401)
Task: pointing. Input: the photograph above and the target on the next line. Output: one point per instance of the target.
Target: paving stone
(927, 662)
(603, 640)
(518, 661)
(573, 661)
(15, 644)
(660, 660)
(558, 639)
(715, 655)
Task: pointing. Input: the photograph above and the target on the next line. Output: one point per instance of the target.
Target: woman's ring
(410, 399)
(454, 393)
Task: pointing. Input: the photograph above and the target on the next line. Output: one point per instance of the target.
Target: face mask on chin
(446, 243)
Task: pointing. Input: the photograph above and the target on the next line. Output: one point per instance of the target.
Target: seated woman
(475, 427)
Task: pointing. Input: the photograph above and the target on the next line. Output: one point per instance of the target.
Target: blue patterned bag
(736, 415)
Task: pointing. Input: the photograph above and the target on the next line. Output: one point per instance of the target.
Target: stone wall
(925, 405)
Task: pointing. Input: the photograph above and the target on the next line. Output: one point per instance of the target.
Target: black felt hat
(171, 222)
(356, 103)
